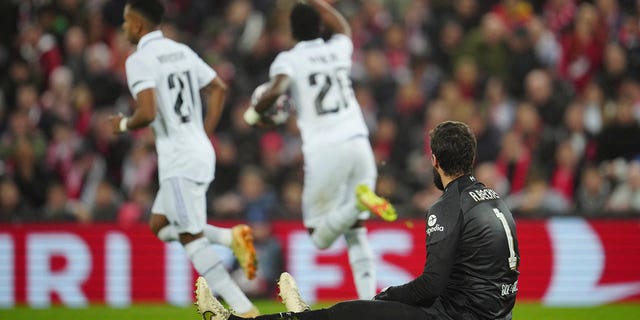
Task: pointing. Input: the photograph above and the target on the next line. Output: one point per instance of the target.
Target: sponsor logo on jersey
(432, 220)
(509, 288)
(433, 226)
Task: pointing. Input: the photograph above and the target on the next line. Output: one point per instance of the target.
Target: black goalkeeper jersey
(471, 270)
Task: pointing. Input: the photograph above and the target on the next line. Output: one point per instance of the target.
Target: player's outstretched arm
(331, 17)
(143, 115)
(215, 92)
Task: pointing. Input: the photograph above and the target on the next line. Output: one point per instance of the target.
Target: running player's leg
(324, 211)
(161, 227)
(183, 202)
(362, 262)
(239, 238)
(361, 256)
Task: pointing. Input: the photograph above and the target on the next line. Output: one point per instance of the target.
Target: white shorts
(331, 175)
(183, 202)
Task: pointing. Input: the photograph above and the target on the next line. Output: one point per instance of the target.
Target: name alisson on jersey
(483, 194)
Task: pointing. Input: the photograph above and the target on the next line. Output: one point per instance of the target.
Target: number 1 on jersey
(513, 261)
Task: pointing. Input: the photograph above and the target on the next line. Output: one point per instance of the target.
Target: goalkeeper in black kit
(471, 269)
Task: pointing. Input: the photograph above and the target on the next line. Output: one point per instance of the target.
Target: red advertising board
(564, 261)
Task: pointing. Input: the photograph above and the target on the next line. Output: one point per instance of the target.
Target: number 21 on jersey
(327, 101)
(180, 86)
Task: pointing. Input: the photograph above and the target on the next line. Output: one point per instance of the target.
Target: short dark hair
(152, 10)
(305, 22)
(454, 146)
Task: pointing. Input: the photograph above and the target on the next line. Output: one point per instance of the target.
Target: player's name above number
(323, 58)
(483, 194)
(171, 57)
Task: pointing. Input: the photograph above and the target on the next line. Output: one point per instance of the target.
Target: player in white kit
(339, 168)
(166, 77)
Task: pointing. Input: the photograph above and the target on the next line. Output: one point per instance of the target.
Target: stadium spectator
(559, 14)
(593, 98)
(564, 177)
(545, 44)
(29, 174)
(138, 208)
(514, 161)
(574, 130)
(106, 204)
(593, 193)
(487, 45)
(379, 79)
(499, 107)
(487, 135)
(488, 173)
(139, 166)
(13, 209)
(227, 164)
(289, 204)
(446, 43)
(582, 48)
(549, 96)
(522, 59)
(614, 71)
(610, 15)
(537, 197)
(59, 208)
(256, 194)
(61, 149)
(626, 196)
(619, 139)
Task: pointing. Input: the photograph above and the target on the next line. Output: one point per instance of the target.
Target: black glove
(383, 295)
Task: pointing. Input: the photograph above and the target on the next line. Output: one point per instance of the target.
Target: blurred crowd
(550, 88)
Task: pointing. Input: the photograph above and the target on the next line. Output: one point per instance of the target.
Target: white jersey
(327, 109)
(176, 74)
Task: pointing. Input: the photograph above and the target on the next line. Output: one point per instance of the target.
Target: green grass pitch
(164, 312)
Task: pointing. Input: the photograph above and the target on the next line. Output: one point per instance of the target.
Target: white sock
(218, 235)
(168, 233)
(334, 224)
(362, 262)
(208, 264)
(212, 233)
